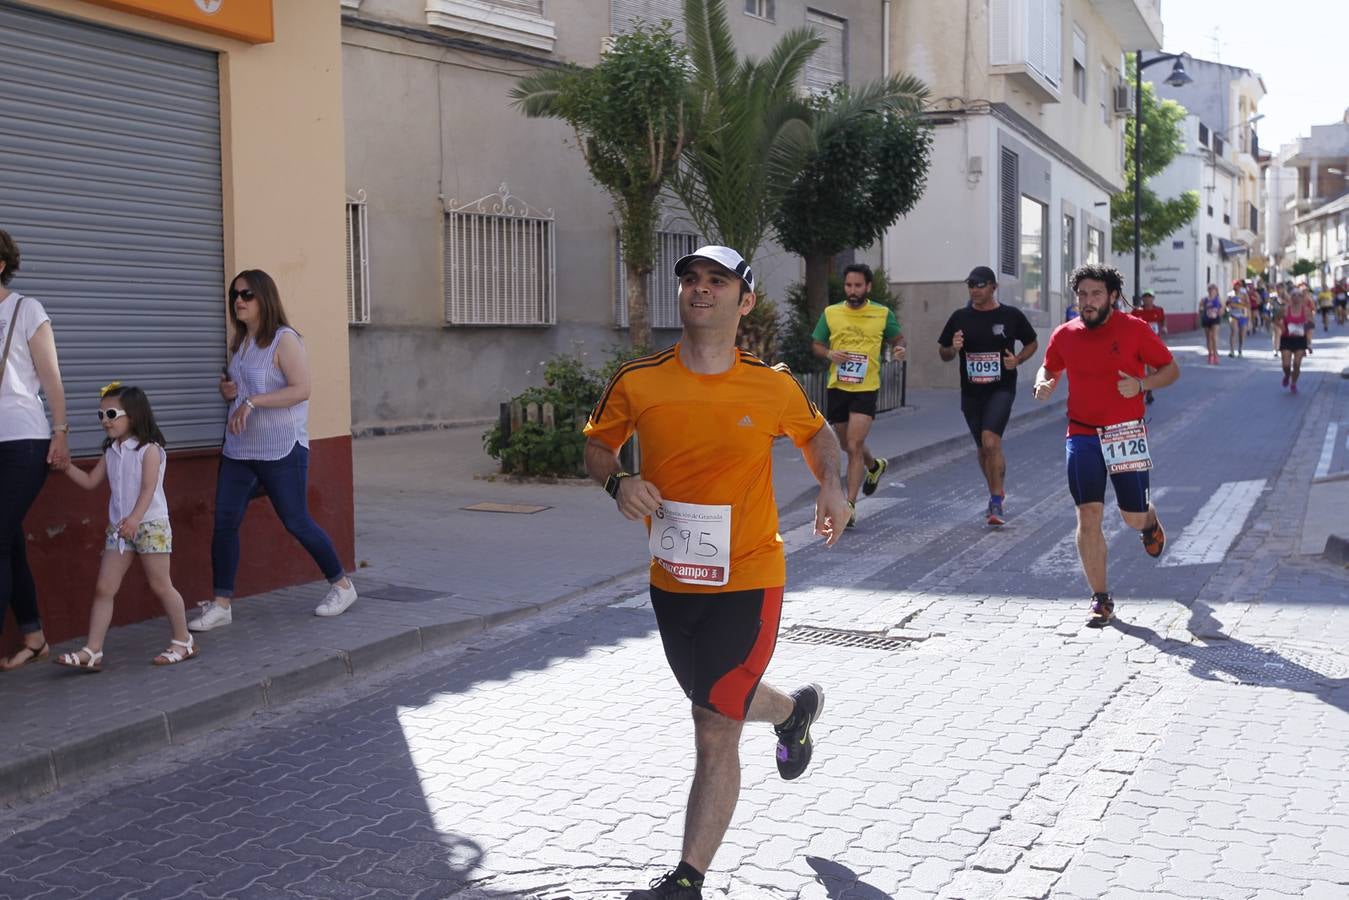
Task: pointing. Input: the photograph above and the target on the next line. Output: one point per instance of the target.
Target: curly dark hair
(1114, 281)
(9, 255)
(861, 269)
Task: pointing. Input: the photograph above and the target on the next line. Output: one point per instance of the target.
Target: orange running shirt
(709, 439)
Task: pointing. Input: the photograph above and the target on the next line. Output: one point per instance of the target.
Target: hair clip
(110, 386)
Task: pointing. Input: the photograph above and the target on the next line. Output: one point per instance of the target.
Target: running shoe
(1102, 611)
(852, 514)
(995, 516)
(873, 479)
(1293, 387)
(1154, 539)
(668, 887)
(794, 743)
(1286, 379)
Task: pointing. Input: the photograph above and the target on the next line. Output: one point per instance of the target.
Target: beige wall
(283, 172)
(947, 46)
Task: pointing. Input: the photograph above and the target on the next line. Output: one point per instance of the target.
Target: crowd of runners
(707, 415)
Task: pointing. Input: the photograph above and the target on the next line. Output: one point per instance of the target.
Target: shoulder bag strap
(9, 337)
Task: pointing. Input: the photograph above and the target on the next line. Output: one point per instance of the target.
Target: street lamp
(1177, 78)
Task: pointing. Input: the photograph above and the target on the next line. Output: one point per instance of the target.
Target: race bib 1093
(983, 368)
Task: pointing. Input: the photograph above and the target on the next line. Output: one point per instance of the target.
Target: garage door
(110, 185)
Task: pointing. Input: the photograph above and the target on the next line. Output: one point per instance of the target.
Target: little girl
(138, 522)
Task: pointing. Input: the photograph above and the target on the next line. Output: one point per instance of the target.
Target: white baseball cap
(722, 256)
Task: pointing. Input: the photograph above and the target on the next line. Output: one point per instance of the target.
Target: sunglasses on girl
(112, 414)
(246, 293)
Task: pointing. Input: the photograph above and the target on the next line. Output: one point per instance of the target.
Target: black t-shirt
(987, 332)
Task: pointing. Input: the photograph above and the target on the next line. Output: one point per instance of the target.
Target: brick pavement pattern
(1001, 750)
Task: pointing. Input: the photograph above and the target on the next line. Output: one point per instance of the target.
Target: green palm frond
(537, 95)
(711, 47)
(783, 66)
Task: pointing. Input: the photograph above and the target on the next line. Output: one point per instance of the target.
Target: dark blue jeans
(23, 469)
(285, 481)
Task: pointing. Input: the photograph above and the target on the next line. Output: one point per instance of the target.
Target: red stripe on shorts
(731, 695)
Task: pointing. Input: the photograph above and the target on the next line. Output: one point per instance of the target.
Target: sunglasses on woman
(112, 414)
(246, 293)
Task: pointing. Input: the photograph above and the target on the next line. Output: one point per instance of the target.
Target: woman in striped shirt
(267, 442)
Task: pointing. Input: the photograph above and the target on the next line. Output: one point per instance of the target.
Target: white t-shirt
(22, 416)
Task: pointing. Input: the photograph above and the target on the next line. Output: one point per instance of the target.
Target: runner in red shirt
(1155, 316)
(1106, 356)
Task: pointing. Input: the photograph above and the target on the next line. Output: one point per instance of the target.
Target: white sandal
(74, 661)
(171, 656)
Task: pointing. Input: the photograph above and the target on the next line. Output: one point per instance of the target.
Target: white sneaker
(213, 615)
(337, 601)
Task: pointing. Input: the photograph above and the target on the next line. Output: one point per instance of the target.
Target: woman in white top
(28, 445)
(133, 461)
(267, 442)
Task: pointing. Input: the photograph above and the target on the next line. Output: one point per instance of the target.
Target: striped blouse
(272, 433)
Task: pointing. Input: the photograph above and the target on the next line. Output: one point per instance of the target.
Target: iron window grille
(500, 262)
(358, 261)
(1009, 194)
(662, 289)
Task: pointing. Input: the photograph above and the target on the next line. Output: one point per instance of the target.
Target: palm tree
(758, 132)
(631, 116)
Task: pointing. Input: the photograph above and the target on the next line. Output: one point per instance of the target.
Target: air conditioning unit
(1123, 100)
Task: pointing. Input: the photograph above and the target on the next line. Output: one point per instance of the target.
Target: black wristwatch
(611, 483)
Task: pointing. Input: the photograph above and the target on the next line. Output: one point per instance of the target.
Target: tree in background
(859, 171)
(1305, 267)
(633, 121)
(1163, 140)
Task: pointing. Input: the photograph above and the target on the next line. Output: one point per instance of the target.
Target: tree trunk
(639, 306)
(817, 284)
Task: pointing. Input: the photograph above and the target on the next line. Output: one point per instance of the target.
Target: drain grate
(1244, 664)
(838, 637)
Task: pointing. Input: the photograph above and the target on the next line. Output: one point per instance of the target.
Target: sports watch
(611, 483)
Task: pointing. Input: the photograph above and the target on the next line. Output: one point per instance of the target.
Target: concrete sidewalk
(432, 571)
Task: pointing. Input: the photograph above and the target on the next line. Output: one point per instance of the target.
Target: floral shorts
(151, 537)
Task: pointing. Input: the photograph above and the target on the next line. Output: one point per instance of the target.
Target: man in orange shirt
(706, 415)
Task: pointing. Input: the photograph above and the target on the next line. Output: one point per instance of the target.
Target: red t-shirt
(1094, 358)
(1153, 316)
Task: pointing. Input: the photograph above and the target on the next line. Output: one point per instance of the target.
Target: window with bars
(1095, 245)
(500, 263)
(761, 9)
(1034, 262)
(662, 289)
(358, 262)
(1009, 191)
(829, 64)
(1069, 260)
(623, 14)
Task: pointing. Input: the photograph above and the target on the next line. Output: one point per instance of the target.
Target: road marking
(1209, 536)
(1062, 557)
(1327, 452)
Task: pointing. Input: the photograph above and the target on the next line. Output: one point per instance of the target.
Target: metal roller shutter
(110, 184)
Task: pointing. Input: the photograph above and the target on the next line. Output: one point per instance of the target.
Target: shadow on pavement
(1223, 658)
(842, 882)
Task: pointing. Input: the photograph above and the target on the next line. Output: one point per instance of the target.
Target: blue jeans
(285, 481)
(23, 469)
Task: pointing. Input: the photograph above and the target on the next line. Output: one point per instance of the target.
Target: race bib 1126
(1125, 447)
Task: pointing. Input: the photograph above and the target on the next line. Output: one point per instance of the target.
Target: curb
(1337, 550)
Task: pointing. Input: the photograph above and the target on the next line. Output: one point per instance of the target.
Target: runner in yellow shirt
(850, 335)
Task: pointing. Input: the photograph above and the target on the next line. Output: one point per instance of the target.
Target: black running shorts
(719, 645)
(841, 404)
(986, 411)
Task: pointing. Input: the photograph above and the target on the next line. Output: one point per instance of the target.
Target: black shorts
(988, 411)
(842, 404)
(1293, 342)
(718, 645)
(1211, 322)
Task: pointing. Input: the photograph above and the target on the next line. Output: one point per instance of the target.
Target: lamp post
(1177, 78)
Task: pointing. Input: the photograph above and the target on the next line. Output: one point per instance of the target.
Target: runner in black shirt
(984, 335)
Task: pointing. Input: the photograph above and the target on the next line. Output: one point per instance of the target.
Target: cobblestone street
(984, 745)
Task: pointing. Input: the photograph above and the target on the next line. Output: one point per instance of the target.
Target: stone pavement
(976, 742)
(430, 573)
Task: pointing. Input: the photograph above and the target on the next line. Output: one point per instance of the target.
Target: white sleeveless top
(272, 433)
(125, 462)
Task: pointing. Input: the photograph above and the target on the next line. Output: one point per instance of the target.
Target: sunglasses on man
(976, 284)
(246, 293)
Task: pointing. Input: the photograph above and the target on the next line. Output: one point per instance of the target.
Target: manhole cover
(518, 508)
(1245, 664)
(837, 637)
